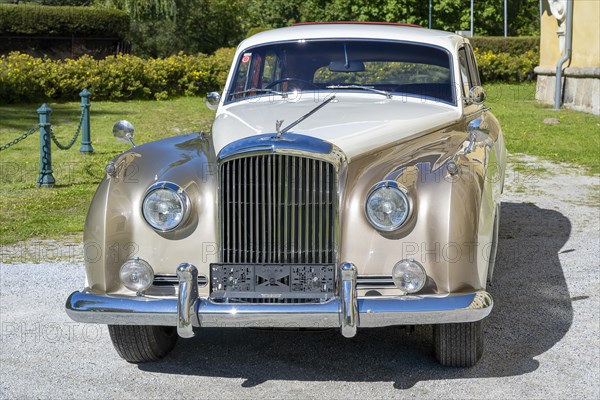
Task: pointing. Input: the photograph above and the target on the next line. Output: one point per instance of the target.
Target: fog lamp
(137, 275)
(409, 276)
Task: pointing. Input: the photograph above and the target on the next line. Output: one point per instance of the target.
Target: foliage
(255, 30)
(25, 78)
(160, 28)
(449, 15)
(212, 24)
(163, 27)
(62, 21)
(505, 67)
(511, 45)
(509, 59)
(143, 9)
(51, 2)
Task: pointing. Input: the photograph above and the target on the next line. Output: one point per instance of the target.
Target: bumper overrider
(346, 311)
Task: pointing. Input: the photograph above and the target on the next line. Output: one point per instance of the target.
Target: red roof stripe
(356, 23)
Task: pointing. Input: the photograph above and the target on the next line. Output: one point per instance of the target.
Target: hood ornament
(278, 124)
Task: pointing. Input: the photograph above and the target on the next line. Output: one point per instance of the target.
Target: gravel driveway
(542, 338)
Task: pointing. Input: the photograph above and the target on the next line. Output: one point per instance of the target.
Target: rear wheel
(458, 345)
(142, 343)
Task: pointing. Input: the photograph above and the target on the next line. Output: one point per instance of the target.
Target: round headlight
(136, 274)
(409, 276)
(387, 206)
(165, 206)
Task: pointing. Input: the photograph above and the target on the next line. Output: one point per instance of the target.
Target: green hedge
(515, 46)
(38, 20)
(510, 59)
(24, 78)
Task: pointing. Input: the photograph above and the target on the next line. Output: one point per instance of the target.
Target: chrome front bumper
(347, 311)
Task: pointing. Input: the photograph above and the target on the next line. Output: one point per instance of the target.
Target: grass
(29, 212)
(576, 139)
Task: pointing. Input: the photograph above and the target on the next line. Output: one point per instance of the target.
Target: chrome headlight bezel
(180, 195)
(404, 195)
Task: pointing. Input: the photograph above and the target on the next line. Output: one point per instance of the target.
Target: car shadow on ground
(532, 313)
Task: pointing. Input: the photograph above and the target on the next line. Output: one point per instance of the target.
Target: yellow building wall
(586, 35)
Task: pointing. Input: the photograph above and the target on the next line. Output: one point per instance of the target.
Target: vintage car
(351, 179)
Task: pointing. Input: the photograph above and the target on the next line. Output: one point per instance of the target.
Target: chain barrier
(22, 137)
(72, 142)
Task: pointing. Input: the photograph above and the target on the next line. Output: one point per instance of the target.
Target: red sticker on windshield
(246, 57)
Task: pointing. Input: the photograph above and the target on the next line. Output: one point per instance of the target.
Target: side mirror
(477, 95)
(123, 132)
(212, 100)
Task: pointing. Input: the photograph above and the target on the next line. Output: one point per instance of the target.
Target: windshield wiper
(302, 118)
(282, 94)
(361, 87)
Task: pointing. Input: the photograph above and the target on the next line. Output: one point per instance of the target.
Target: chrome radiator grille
(277, 209)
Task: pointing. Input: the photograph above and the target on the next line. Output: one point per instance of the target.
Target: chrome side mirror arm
(477, 96)
(123, 131)
(473, 129)
(213, 99)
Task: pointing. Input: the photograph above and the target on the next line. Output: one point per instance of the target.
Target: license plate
(265, 279)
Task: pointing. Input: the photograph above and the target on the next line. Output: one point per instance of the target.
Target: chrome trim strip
(171, 279)
(364, 282)
(291, 143)
(373, 311)
(188, 295)
(349, 317)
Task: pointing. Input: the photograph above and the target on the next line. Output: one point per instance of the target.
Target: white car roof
(350, 30)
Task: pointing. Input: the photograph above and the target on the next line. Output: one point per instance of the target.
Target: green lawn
(576, 139)
(29, 212)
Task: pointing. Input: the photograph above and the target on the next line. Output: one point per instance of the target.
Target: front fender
(115, 229)
(452, 214)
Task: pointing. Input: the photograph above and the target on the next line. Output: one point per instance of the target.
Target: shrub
(506, 67)
(62, 21)
(25, 78)
(511, 45)
(255, 30)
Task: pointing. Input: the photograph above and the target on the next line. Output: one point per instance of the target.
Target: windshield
(343, 65)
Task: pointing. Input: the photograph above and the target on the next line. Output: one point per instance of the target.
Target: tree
(143, 10)
(449, 15)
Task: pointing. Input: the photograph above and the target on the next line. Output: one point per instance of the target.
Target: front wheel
(458, 345)
(142, 343)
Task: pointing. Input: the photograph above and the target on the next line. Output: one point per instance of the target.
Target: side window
(475, 80)
(465, 75)
(272, 69)
(242, 73)
(247, 75)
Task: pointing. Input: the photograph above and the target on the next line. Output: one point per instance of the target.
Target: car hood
(356, 123)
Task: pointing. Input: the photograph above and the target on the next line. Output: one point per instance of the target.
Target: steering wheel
(278, 81)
